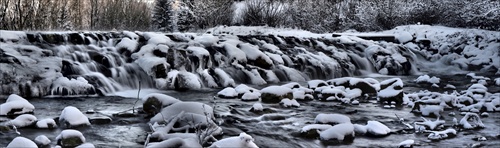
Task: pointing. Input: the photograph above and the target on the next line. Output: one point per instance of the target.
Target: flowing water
(278, 128)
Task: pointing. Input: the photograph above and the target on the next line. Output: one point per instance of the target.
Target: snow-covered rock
(72, 117)
(375, 128)
(340, 132)
(391, 90)
(188, 107)
(23, 121)
(65, 86)
(251, 96)
(406, 144)
(228, 92)
(439, 135)
(497, 81)
(42, 141)
(274, 94)
(154, 102)
(257, 107)
(242, 141)
(46, 123)
(70, 138)
(16, 105)
(313, 84)
(471, 121)
(289, 103)
(427, 79)
(313, 130)
(21, 142)
(331, 119)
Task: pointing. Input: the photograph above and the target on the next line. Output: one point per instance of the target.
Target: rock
(364, 86)
(257, 107)
(4, 128)
(274, 94)
(46, 123)
(250, 96)
(42, 141)
(25, 120)
(377, 129)
(391, 91)
(406, 144)
(16, 105)
(187, 81)
(86, 145)
(340, 133)
(21, 142)
(228, 93)
(153, 103)
(72, 117)
(100, 120)
(312, 131)
(70, 138)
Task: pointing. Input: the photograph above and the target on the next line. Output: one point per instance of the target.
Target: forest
(192, 15)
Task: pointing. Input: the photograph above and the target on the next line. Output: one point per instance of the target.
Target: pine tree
(163, 15)
(185, 18)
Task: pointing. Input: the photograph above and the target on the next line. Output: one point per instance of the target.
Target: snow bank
(243, 140)
(73, 117)
(16, 105)
(21, 142)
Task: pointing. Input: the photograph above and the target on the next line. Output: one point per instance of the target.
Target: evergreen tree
(185, 18)
(163, 13)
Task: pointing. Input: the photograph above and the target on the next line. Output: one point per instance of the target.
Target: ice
(253, 53)
(338, 132)
(377, 129)
(21, 142)
(16, 102)
(331, 119)
(225, 79)
(243, 140)
(228, 92)
(46, 123)
(42, 140)
(72, 117)
(148, 64)
(23, 121)
(75, 86)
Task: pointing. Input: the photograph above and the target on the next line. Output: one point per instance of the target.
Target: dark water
(276, 129)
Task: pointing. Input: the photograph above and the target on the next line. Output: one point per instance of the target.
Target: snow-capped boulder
(341, 132)
(19, 142)
(289, 103)
(364, 85)
(257, 107)
(375, 128)
(154, 102)
(228, 92)
(70, 138)
(46, 123)
(403, 37)
(332, 94)
(72, 117)
(497, 81)
(251, 96)
(188, 107)
(242, 89)
(313, 130)
(16, 105)
(42, 141)
(274, 94)
(242, 141)
(391, 90)
(24, 120)
(187, 81)
(427, 79)
(331, 119)
(313, 84)
(471, 121)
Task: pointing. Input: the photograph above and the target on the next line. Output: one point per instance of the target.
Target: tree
(163, 15)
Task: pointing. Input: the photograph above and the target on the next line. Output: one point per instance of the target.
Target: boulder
(21, 142)
(16, 105)
(70, 138)
(274, 94)
(154, 102)
(72, 117)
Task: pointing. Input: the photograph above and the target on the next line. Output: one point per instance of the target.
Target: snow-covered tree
(163, 15)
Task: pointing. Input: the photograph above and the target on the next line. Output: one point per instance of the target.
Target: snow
(23, 120)
(86, 145)
(289, 103)
(128, 44)
(148, 63)
(403, 37)
(427, 79)
(331, 119)
(156, 38)
(313, 84)
(432, 109)
(242, 88)
(338, 132)
(191, 80)
(45, 123)
(69, 133)
(198, 51)
(376, 128)
(497, 81)
(174, 142)
(389, 92)
(19, 142)
(250, 96)
(206, 40)
(438, 135)
(42, 140)
(257, 107)
(188, 107)
(471, 121)
(73, 116)
(228, 92)
(406, 144)
(243, 140)
(165, 100)
(319, 127)
(299, 94)
(16, 102)
(276, 90)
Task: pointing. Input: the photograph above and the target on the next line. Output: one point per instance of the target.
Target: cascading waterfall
(117, 61)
